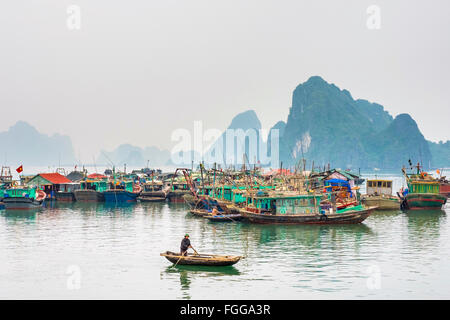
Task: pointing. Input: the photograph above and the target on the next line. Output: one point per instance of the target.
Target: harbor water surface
(100, 251)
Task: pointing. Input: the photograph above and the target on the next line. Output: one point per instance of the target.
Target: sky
(137, 70)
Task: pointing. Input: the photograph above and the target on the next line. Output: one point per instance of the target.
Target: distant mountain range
(23, 144)
(325, 125)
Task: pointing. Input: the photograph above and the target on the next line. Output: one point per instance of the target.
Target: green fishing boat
(299, 209)
(23, 198)
(91, 190)
(423, 192)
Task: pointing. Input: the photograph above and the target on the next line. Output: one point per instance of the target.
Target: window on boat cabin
(379, 184)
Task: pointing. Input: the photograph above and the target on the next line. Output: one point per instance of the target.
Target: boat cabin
(417, 186)
(121, 185)
(286, 205)
(379, 187)
(96, 185)
(152, 186)
(20, 192)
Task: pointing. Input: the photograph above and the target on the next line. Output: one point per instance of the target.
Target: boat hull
(153, 194)
(120, 196)
(349, 217)
(89, 196)
(382, 203)
(65, 196)
(225, 217)
(177, 196)
(201, 260)
(22, 203)
(445, 189)
(151, 199)
(425, 201)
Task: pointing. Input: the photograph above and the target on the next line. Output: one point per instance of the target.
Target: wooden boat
(200, 212)
(382, 202)
(224, 217)
(153, 189)
(126, 191)
(379, 194)
(423, 192)
(23, 198)
(300, 209)
(444, 188)
(201, 259)
(91, 190)
(151, 199)
(347, 217)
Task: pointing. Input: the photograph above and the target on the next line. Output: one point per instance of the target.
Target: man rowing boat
(185, 245)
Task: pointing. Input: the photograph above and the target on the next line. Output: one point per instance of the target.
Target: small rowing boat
(200, 212)
(201, 259)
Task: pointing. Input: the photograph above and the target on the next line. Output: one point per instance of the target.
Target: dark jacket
(185, 243)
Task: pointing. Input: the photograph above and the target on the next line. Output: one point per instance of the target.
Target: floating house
(52, 183)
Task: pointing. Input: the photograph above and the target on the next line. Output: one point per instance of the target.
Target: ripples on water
(391, 255)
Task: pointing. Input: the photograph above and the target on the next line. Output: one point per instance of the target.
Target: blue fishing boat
(121, 192)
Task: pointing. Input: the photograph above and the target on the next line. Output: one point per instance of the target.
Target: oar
(175, 263)
(195, 251)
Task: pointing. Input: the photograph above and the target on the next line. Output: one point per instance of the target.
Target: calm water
(95, 251)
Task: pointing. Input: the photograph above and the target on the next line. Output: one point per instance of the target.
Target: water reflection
(424, 227)
(187, 274)
(304, 235)
(20, 215)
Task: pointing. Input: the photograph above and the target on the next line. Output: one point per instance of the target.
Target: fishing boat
(444, 187)
(224, 217)
(379, 194)
(300, 209)
(91, 190)
(177, 191)
(201, 259)
(153, 189)
(423, 192)
(200, 212)
(23, 198)
(121, 192)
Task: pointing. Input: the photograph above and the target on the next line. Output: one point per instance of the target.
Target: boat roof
(54, 178)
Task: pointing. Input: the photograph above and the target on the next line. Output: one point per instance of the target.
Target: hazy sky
(137, 70)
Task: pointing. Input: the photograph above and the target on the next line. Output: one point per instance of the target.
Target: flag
(438, 171)
(19, 169)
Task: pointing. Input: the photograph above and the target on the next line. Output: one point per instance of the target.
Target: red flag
(19, 169)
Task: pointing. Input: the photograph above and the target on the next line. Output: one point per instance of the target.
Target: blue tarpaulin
(338, 183)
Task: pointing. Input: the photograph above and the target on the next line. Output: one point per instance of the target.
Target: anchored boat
(379, 194)
(300, 209)
(91, 190)
(201, 259)
(124, 191)
(423, 192)
(23, 198)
